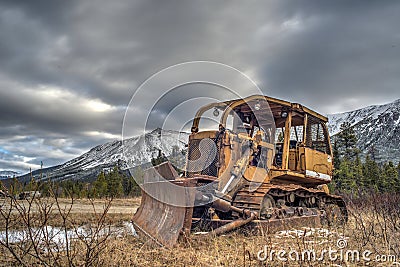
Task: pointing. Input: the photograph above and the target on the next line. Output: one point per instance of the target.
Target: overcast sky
(69, 68)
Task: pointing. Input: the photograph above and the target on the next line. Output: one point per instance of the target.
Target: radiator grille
(197, 164)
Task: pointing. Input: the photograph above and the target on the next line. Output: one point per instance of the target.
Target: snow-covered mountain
(377, 129)
(131, 152)
(8, 174)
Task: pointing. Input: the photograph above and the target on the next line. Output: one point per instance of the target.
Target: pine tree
(100, 186)
(32, 185)
(398, 171)
(358, 175)
(344, 177)
(398, 179)
(348, 174)
(46, 188)
(390, 178)
(336, 155)
(371, 173)
(114, 183)
(346, 141)
(131, 188)
(15, 187)
(72, 188)
(135, 180)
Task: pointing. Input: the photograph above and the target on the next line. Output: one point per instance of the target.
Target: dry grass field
(82, 210)
(99, 235)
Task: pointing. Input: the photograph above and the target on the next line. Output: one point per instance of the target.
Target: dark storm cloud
(69, 68)
(345, 56)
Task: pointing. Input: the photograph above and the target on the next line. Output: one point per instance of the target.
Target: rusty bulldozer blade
(158, 221)
(165, 208)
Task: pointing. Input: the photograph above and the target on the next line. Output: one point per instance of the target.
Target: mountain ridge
(354, 116)
(6, 174)
(139, 150)
(377, 128)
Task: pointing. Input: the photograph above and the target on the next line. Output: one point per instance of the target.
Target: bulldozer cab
(289, 141)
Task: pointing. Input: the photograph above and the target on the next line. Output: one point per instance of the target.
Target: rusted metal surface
(166, 170)
(222, 205)
(225, 206)
(161, 172)
(166, 206)
(159, 222)
(233, 225)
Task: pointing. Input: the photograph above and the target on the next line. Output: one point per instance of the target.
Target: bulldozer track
(287, 197)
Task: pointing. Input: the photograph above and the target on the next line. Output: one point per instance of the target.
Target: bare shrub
(30, 240)
(375, 221)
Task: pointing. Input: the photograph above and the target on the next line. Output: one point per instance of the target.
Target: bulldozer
(261, 164)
